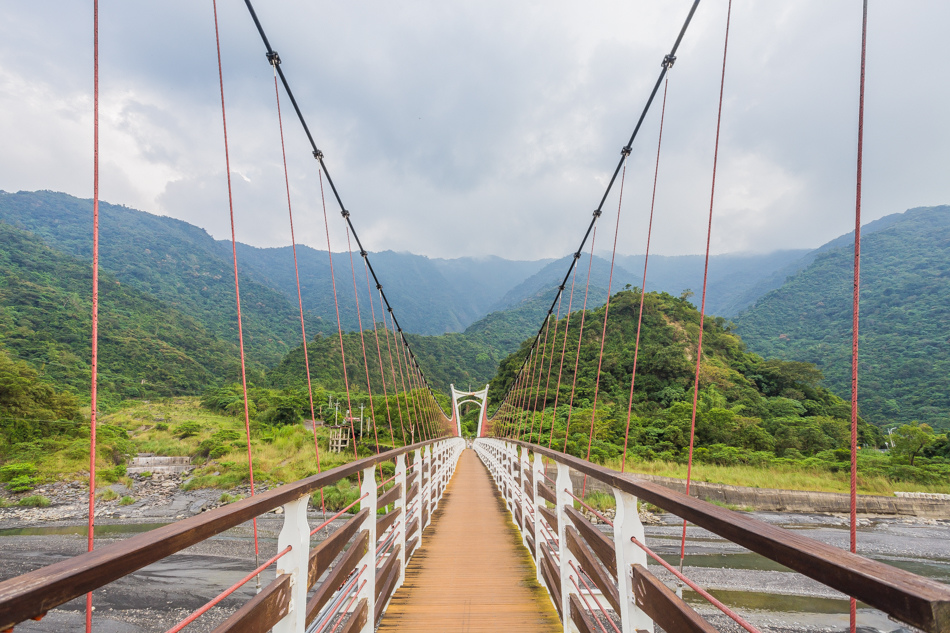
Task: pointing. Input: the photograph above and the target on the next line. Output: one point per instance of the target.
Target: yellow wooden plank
(471, 573)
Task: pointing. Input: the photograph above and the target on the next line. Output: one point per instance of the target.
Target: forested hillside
(905, 318)
(146, 348)
(752, 411)
(171, 260)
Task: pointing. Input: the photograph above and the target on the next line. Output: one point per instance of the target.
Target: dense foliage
(173, 261)
(905, 318)
(750, 410)
(146, 348)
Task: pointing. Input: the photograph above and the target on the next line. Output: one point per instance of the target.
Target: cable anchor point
(626, 150)
(345, 213)
(318, 154)
(668, 61)
(363, 254)
(273, 58)
(598, 213)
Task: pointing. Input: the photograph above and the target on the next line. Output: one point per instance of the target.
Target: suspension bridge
(476, 534)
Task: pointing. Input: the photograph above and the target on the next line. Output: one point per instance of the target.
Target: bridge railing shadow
(344, 583)
(598, 583)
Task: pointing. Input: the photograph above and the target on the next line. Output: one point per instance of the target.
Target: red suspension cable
(603, 334)
(855, 321)
(537, 393)
(237, 285)
(94, 363)
(336, 305)
(702, 308)
(560, 371)
(580, 338)
(379, 354)
(547, 383)
(293, 246)
(643, 285)
(359, 321)
(392, 367)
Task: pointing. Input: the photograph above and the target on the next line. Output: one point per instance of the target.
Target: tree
(910, 440)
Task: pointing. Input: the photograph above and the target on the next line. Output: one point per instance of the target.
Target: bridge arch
(463, 397)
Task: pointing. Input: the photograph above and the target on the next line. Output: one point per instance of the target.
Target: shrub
(338, 496)
(21, 483)
(188, 429)
(35, 501)
(219, 451)
(9, 471)
(161, 426)
(108, 495)
(126, 501)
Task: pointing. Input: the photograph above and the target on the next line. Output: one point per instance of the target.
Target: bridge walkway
(472, 573)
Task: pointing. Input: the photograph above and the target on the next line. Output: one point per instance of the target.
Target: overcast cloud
(488, 128)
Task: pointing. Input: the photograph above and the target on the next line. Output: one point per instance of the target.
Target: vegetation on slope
(905, 317)
(173, 261)
(146, 348)
(752, 411)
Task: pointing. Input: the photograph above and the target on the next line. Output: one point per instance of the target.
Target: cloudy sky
(490, 128)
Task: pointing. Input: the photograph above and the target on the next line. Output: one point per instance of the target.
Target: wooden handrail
(908, 597)
(36, 592)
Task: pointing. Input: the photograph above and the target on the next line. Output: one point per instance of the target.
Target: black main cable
(666, 64)
(274, 59)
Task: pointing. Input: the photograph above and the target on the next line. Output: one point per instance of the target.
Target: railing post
(523, 498)
(510, 477)
(295, 533)
(400, 546)
(627, 524)
(537, 500)
(369, 559)
(417, 468)
(425, 488)
(564, 489)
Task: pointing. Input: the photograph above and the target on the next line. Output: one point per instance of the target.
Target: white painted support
(400, 546)
(296, 533)
(426, 486)
(564, 486)
(417, 463)
(538, 501)
(626, 524)
(524, 501)
(369, 559)
(510, 477)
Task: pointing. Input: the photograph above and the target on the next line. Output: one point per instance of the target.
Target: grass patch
(780, 476)
(600, 501)
(35, 501)
(126, 501)
(338, 496)
(229, 498)
(108, 495)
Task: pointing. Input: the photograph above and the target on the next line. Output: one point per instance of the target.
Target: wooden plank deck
(471, 573)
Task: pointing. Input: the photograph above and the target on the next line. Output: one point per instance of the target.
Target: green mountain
(176, 263)
(146, 347)
(905, 317)
(749, 404)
